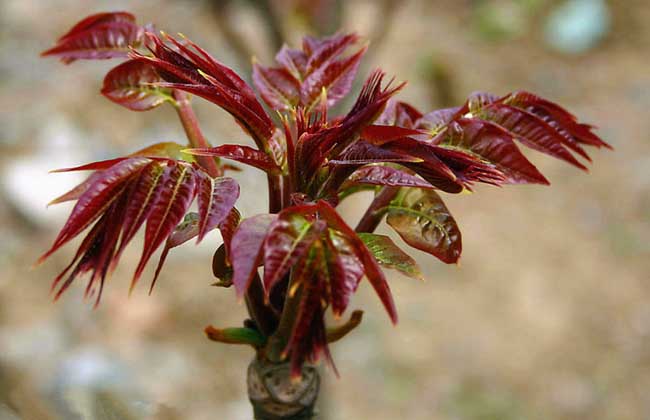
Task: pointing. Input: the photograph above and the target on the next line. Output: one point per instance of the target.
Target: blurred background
(547, 316)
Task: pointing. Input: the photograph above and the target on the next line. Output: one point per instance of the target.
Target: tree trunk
(275, 396)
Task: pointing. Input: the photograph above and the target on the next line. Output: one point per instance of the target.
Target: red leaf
(380, 134)
(96, 199)
(97, 19)
(216, 197)
(531, 130)
(159, 151)
(131, 85)
(288, 240)
(246, 249)
(76, 192)
(436, 120)
(494, 144)
(80, 257)
(345, 269)
(186, 230)
(295, 61)
(193, 70)
(94, 166)
(308, 337)
(421, 218)
(313, 149)
(217, 73)
(243, 154)
(105, 248)
(322, 50)
(558, 117)
(371, 267)
(386, 175)
(335, 78)
(173, 199)
(477, 101)
(431, 168)
(362, 153)
(278, 87)
(135, 190)
(144, 192)
(399, 114)
(95, 253)
(228, 227)
(469, 168)
(101, 39)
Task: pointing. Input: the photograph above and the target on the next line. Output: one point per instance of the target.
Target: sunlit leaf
(321, 51)
(102, 36)
(399, 114)
(186, 230)
(96, 199)
(380, 134)
(173, 201)
(495, 145)
(165, 149)
(131, 84)
(142, 196)
(192, 69)
(386, 176)
(289, 238)
(243, 154)
(216, 197)
(390, 255)
(335, 78)
(97, 19)
(423, 221)
(559, 118)
(277, 86)
(345, 269)
(362, 153)
(372, 270)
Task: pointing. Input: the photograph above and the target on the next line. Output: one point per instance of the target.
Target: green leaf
(421, 218)
(390, 255)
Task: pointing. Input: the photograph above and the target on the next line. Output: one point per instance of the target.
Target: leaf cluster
(311, 258)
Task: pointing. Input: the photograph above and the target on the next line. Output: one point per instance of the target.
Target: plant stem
(262, 314)
(278, 341)
(375, 212)
(193, 132)
(276, 396)
(276, 193)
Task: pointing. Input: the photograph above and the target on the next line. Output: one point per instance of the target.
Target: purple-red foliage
(309, 254)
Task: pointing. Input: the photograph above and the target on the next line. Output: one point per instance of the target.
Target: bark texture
(275, 396)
